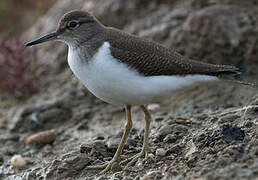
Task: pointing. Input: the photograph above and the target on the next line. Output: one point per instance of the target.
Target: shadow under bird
(123, 69)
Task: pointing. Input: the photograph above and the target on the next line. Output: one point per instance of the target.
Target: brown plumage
(152, 59)
(147, 57)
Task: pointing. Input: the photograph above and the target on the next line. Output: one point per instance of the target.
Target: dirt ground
(206, 131)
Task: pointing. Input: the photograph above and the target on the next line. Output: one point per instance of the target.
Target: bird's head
(74, 27)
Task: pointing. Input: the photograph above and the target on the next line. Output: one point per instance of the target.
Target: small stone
(191, 150)
(153, 106)
(160, 152)
(45, 137)
(18, 161)
(99, 149)
(232, 133)
(227, 133)
(150, 155)
(150, 175)
(128, 178)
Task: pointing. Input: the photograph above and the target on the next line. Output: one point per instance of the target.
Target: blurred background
(220, 32)
(17, 15)
(206, 131)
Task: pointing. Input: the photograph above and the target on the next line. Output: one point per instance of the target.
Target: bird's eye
(73, 24)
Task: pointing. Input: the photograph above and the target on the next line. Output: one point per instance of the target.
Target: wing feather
(152, 59)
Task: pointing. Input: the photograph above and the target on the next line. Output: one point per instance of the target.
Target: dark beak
(48, 37)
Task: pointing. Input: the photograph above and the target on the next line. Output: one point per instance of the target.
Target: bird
(126, 70)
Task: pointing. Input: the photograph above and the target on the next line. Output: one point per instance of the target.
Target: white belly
(116, 83)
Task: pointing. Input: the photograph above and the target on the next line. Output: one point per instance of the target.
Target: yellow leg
(116, 157)
(145, 147)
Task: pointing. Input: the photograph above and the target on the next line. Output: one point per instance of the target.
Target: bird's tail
(239, 82)
(224, 70)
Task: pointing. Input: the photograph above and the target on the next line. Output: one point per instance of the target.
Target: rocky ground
(206, 131)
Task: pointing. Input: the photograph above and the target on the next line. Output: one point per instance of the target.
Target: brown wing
(152, 59)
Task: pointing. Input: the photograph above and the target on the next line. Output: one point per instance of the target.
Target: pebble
(150, 175)
(18, 161)
(153, 106)
(191, 149)
(150, 155)
(99, 149)
(45, 137)
(160, 152)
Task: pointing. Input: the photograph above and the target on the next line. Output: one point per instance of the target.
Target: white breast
(116, 83)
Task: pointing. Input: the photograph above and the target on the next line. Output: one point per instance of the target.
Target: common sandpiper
(125, 70)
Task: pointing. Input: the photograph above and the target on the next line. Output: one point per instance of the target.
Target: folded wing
(152, 59)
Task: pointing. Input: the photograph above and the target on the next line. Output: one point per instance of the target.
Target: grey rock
(158, 25)
(227, 133)
(99, 149)
(70, 164)
(46, 115)
(175, 129)
(213, 27)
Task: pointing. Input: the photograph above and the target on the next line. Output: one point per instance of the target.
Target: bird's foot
(104, 167)
(129, 161)
(144, 153)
